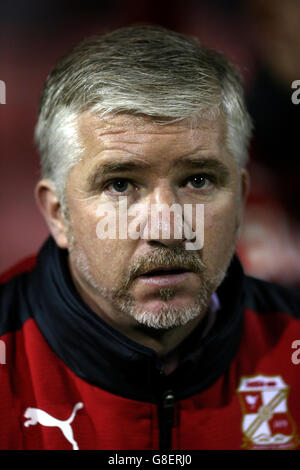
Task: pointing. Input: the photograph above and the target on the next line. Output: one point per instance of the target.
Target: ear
(49, 205)
(245, 186)
(244, 193)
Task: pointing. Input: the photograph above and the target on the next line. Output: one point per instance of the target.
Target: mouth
(165, 271)
(165, 276)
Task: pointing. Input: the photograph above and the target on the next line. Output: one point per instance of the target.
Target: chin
(166, 319)
(160, 314)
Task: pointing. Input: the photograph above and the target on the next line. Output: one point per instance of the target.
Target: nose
(165, 218)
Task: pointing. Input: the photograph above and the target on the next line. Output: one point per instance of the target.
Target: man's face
(153, 164)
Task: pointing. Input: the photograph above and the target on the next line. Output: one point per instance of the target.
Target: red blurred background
(261, 36)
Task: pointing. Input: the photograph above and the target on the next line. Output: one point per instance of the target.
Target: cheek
(220, 222)
(107, 258)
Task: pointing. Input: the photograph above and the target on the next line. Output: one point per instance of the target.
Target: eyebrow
(132, 165)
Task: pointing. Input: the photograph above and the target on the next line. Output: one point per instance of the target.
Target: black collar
(102, 356)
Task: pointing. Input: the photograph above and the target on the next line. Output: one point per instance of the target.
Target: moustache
(162, 258)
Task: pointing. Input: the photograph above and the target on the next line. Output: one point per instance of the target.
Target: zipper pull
(168, 407)
(166, 420)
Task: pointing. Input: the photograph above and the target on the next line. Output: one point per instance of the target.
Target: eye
(118, 185)
(200, 181)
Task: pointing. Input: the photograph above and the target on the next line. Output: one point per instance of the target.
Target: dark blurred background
(261, 36)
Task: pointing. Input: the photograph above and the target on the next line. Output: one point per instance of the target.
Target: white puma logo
(35, 416)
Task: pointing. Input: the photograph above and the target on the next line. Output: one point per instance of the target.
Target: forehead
(143, 137)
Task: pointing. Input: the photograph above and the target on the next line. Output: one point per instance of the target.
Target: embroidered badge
(266, 422)
(35, 416)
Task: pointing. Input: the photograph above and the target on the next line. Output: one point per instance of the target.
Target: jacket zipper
(166, 420)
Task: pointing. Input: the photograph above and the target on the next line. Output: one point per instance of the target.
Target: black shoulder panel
(268, 297)
(13, 304)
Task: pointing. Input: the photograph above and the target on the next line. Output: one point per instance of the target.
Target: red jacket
(70, 381)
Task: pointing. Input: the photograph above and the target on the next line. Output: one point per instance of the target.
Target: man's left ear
(49, 205)
(245, 185)
(244, 192)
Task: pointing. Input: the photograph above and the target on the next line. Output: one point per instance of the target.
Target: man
(127, 334)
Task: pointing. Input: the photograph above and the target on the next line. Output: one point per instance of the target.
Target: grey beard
(125, 304)
(168, 316)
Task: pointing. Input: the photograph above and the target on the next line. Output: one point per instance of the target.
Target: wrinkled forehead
(126, 131)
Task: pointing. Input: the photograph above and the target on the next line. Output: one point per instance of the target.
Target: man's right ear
(49, 205)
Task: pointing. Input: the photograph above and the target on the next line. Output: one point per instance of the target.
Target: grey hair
(140, 70)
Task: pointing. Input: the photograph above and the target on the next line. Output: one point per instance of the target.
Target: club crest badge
(266, 422)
